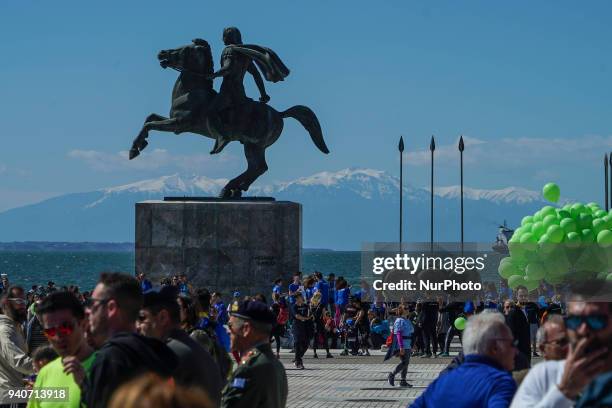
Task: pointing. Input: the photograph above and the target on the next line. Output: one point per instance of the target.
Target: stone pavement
(357, 381)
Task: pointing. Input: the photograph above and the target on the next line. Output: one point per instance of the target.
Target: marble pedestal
(222, 245)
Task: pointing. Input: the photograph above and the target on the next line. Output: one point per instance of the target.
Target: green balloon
(460, 323)
(609, 277)
(568, 225)
(538, 229)
(546, 246)
(556, 233)
(549, 220)
(529, 241)
(604, 238)
(600, 213)
(555, 280)
(608, 221)
(516, 250)
(548, 210)
(588, 236)
(537, 216)
(507, 269)
(592, 205)
(585, 221)
(598, 225)
(531, 284)
(563, 214)
(556, 266)
(515, 280)
(573, 239)
(535, 271)
(528, 219)
(576, 210)
(551, 192)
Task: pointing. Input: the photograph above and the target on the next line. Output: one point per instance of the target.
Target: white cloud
(156, 159)
(520, 152)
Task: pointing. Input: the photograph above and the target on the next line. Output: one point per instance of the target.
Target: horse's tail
(309, 120)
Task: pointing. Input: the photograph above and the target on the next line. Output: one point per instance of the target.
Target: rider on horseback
(236, 60)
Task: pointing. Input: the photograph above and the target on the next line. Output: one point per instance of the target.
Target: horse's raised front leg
(153, 122)
(256, 159)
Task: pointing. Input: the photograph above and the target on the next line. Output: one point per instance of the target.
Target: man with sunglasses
(115, 304)
(64, 325)
(14, 360)
(560, 383)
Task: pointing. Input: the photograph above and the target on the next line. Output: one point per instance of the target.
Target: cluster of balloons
(560, 244)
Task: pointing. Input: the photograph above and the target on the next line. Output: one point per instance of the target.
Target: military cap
(254, 310)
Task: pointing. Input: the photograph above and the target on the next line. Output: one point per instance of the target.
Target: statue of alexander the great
(228, 115)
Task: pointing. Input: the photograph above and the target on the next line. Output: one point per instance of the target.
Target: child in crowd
(41, 356)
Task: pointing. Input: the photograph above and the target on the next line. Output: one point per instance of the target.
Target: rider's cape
(267, 61)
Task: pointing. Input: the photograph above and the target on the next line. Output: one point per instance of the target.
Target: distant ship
(503, 236)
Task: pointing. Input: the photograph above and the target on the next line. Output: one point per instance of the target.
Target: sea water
(83, 268)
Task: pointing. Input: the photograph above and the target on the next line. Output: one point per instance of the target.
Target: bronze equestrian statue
(229, 114)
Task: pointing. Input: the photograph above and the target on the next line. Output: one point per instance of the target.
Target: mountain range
(340, 209)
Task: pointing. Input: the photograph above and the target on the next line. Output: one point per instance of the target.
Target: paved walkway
(356, 381)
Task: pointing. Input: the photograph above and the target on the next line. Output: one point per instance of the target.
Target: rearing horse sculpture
(255, 124)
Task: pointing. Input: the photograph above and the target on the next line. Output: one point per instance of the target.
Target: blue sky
(527, 83)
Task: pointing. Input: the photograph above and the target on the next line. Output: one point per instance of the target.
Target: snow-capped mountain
(340, 209)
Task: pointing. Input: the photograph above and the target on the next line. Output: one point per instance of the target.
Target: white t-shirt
(540, 387)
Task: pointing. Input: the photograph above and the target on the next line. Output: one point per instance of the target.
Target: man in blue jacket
(484, 379)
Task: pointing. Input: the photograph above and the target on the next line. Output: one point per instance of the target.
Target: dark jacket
(598, 393)
(122, 358)
(196, 367)
(517, 321)
(259, 381)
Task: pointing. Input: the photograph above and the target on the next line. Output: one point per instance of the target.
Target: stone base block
(224, 246)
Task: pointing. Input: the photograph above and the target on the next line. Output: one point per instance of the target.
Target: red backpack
(283, 315)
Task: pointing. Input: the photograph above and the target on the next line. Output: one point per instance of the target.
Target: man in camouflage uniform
(259, 381)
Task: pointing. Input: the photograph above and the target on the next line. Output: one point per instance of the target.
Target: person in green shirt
(64, 324)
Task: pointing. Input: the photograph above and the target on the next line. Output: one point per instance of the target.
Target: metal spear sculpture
(401, 151)
(432, 148)
(461, 148)
(606, 181)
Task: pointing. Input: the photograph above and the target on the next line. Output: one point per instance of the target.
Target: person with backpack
(401, 344)
(281, 315)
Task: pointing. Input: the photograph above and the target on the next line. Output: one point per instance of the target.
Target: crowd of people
(130, 343)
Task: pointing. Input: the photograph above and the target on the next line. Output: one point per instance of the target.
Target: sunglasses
(64, 329)
(595, 322)
(19, 301)
(91, 302)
